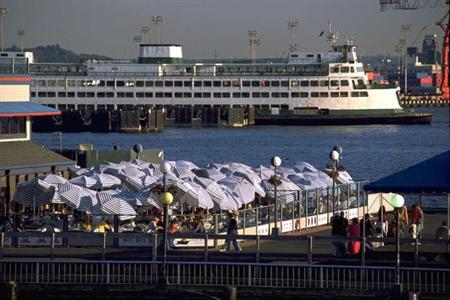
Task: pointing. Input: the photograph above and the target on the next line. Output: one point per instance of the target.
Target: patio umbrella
(34, 193)
(302, 166)
(196, 196)
(148, 198)
(243, 189)
(252, 178)
(135, 184)
(221, 199)
(84, 181)
(286, 190)
(77, 197)
(113, 205)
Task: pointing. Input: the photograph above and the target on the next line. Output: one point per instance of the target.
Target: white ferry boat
(325, 88)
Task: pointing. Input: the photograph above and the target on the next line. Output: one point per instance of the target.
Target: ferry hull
(369, 119)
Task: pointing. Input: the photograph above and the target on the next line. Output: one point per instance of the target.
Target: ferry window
(225, 95)
(334, 94)
(51, 82)
(284, 106)
(226, 83)
(314, 83)
(217, 95)
(352, 70)
(159, 95)
(304, 83)
(207, 95)
(33, 94)
(120, 83)
(71, 94)
(359, 69)
(360, 82)
(110, 83)
(101, 83)
(100, 95)
(53, 94)
(90, 94)
(355, 94)
(236, 83)
(314, 95)
(217, 83)
(168, 83)
(197, 95)
(61, 83)
(110, 94)
(148, 95)
(197, 83)
(139, 83)
(159, 83)
(265, 83)
(265, 95)
(363, 94)
(178, 83)
(129, 94)
(245, 95)
(207, 83)
(71, 83)
(187, 95)
(334, 70)
(178, 95)
(344, 94)
(265, 106)
(256, 95)
(255, 83)
(42, 94)
(324, 94)
(120, 94)
(275, 95)
(344, 70)
(236, 95)
(41, 83)
(245, 83)
(81, 94)
(295, 95)
(294, 83)
(139, 95)
(187, 83)
(285, 83)
(324, 83)
(62, 94)
(334, 82)
(274, 83)
(148, 83)
(345, 83)
(303, 95)
(167, 95)
(284, 95)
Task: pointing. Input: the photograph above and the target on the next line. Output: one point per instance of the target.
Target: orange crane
(406, 5)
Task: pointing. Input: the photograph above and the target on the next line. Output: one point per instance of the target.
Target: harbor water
(370, 152)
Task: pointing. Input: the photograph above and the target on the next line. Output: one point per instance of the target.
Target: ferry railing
(230, 274)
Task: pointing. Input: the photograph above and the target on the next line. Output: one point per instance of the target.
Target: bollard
(310, 249)
(52, 245)
(104, 246)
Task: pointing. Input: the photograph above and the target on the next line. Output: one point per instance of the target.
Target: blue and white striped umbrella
(34, 193)
(242, 188)
(148, 198)
(77, 197)
(286, 190)
(136, 184)
(196, 196)
(113, 205)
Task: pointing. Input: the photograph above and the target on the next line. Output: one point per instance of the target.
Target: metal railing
(294, 276)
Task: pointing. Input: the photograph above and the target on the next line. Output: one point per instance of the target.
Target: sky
(209, 28)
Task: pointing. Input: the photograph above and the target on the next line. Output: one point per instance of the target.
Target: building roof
(429, 176)
(24, 109)
(28, 157)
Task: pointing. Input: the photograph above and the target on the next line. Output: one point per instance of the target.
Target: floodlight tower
(332, 36)
(157, 21)
(405, 29)
(253, 42)
(21, 34)
(292, 25)
(3, 13)
(145, 32)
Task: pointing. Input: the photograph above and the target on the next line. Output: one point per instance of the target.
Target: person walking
(232, 232)
(353, 230)
(417, 220)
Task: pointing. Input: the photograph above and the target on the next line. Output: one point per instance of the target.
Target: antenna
(332, 36)
(145, 31)
(157, 21)
(20, 34)
(3, 13)
(253, 41)
(292, 25)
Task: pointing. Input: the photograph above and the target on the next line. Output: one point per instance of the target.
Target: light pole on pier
(3, 13)
(275, 162)
(405, 29)
(138, 149)
(335, 156)
(397, 202)
(166, 199)
(21, 34)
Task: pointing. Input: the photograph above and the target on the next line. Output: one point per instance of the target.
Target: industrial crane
(445, 25)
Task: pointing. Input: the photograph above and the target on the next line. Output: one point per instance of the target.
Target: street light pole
(166, 199)
(335, 156)
(397, 202)
(276, 162)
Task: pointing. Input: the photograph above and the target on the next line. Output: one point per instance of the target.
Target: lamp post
(275, 162)
(166, 199)
(397, 202)
(335, 156)
(138, 149)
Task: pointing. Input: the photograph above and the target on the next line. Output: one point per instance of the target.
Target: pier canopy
(25, 109)
(429, 176)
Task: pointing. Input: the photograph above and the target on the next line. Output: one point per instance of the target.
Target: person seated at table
(103, 227)
(152, 226)
(174, 227)
(86, 225)
(442, 233)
